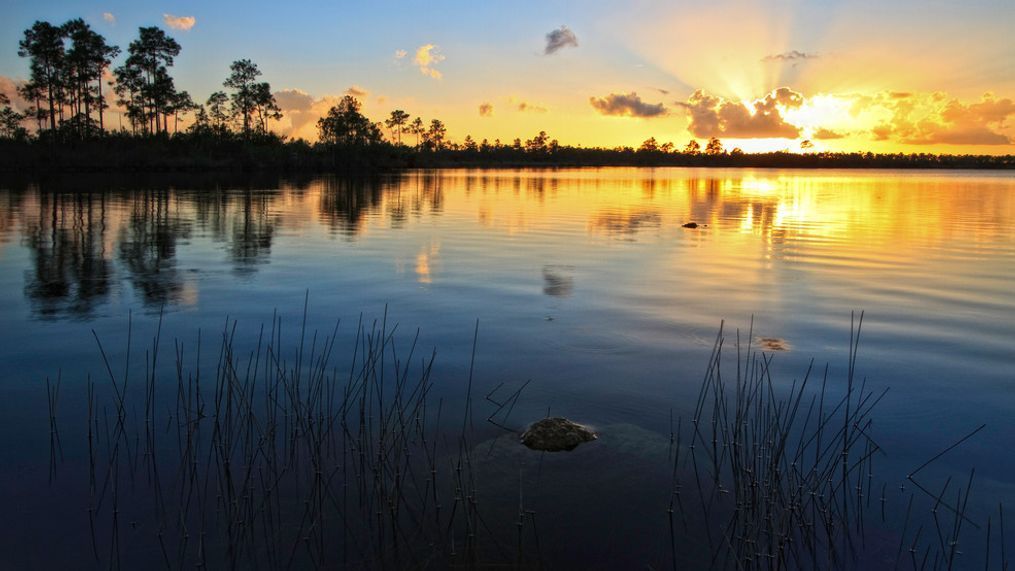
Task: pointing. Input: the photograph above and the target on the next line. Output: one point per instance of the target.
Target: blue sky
(663, 51)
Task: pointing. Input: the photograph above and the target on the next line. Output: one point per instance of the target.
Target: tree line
(72, 75)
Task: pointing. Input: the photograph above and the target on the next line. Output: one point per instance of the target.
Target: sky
(847, 75)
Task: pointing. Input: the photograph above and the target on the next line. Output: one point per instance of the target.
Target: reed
(275, 458)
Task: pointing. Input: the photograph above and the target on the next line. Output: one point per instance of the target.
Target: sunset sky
(908, 75)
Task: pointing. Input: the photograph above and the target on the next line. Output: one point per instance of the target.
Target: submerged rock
(691, 225)
(555, 434)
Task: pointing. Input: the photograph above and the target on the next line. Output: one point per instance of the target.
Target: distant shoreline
(140, 155)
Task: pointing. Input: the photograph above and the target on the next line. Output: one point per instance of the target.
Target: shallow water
(582, 280)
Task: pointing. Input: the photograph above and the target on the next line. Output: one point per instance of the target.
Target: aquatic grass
(783, 478)
(269, 455)
(279, 456)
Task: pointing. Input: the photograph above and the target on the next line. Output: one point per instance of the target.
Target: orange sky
(910, 75)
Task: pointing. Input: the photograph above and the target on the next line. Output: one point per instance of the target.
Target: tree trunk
(102, 126)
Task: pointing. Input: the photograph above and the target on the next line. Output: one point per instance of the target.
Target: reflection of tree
(345, 201)
(614, 223)
(253, 230)
(557, 282)
(429, 194)
(70, 273)
(148, 246)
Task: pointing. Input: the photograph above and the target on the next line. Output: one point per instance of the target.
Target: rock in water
(556, 434)
(691, 225)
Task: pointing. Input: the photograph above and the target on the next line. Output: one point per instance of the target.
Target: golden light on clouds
(428, 56)
(182, 23)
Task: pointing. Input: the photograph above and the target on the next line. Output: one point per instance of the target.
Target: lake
(584, 282)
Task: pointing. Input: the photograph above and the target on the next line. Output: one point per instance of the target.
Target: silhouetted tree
(806, 145)
(43, 45)
(537, 144)
(714, 147)
(692, 148)
(182, 104)
(396, 122)
(649, 146)
(10, 121)
(32, 92)
(143, 81)
(85, 62)
(436, 134)
(250, 97)
(218, 112)
(417, 128)
(266, 107)
(346, 125)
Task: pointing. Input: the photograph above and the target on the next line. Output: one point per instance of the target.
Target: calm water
(582, 280)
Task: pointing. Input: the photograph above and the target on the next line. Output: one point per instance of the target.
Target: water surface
(584, 281)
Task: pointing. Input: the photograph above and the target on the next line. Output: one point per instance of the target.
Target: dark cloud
(357, 92)
(627, 105)
(713, 116)
(559, 39)
(486, 110)
(826, 134)
(294, 100)
(525, 106)
(794, 55)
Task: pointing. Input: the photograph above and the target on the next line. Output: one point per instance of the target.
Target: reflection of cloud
(424, 259)
(773, 344)
(182, 23)
(109, 17)
(714, 116)
(559, 39)
(556, 282)
(486, 110)
(426, 58)
(614, 223)
(627, 105)
(793, 55)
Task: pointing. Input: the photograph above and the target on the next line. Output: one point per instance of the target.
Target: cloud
(627, 105)
(823, 134)
(714, 116)
(9, 87)
(400, 54)
(486, 110)
(183, 23)
(793, 55)
(109, 18)
(559, 39)
(936, 119)
(294, 100)
(357, 92)
(661, 90)
(300, 112)
(426, 58)
(526, 106)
